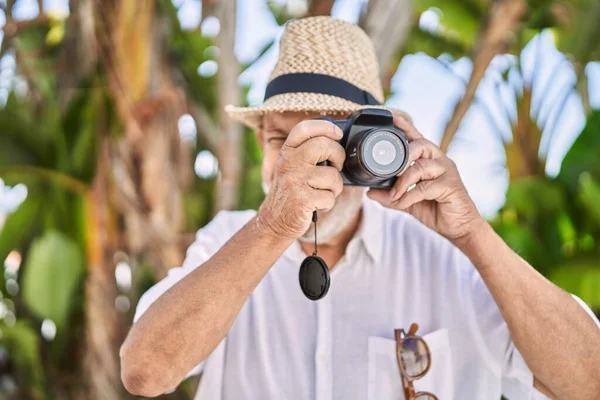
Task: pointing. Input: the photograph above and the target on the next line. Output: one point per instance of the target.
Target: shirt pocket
(384, 378)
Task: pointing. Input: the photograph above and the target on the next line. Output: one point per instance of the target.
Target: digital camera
(376, 151)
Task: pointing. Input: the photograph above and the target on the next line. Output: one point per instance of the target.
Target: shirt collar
(369, 233)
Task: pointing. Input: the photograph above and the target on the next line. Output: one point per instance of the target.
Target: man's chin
(333, 222)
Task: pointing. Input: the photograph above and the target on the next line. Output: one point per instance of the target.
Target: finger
(423, 169)
(325, 178)
(312, 128)
(424, 190)
(319, 149)
(381, 196)
(423, 148)
(323, 200)
(408, 128)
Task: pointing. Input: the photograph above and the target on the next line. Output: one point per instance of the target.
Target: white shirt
(395, 272)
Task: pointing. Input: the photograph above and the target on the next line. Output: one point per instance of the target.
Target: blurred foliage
(581, 40)
(54, 267)
(584, 156)
(23, 344)
(460, 20)
(188, 50)
(52, 147)
(554, 223)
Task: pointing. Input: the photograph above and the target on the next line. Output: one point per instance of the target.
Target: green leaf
(54, 267)
(251, 191)
(582, 278)
(533, 196)
(582, 42)
(434, 44)
(525, 243)
(187, 51)
(19, 225)
(196, 209)
(461, 19)
(589, 195)
(40, 68)
(19, 143)
(11, 153)
(541, 15)
(80, 131)
(584, 155)
(23, 345)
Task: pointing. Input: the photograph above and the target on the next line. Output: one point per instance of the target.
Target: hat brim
(299, 102)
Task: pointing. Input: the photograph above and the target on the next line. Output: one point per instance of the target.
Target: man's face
(273, 133)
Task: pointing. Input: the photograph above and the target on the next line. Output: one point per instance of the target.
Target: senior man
(492, 324)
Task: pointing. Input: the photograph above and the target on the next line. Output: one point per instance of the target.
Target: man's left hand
(437, 196)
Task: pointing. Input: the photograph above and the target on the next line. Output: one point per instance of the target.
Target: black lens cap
(314, 277)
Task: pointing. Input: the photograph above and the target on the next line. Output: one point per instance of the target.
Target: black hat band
(319, 83)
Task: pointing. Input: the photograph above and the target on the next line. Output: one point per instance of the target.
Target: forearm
(556, 337)
(187, 322)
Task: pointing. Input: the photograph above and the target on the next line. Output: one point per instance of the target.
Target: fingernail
(339, 133)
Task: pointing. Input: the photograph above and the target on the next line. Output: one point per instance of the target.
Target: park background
(114, 148)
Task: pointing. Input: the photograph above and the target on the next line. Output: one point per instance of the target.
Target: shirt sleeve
(208, 241)
(495, 343)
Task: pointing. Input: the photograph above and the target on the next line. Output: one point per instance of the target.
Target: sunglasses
(414, 361)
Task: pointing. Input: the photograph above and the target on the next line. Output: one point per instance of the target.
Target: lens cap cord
(314, 219)
(314, 273)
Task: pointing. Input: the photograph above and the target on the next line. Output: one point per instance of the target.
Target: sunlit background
(98, 198)
(423, 86)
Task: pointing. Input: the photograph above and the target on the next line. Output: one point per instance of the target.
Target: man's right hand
(299, 185)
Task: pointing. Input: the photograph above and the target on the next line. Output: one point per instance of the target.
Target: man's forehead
(288, 119)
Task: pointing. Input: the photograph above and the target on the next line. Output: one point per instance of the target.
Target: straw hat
(325, 65)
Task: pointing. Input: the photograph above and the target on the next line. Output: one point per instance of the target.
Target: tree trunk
(320, 7)
(102, 332)
(504, 18)
(140, 175)
(79, 44)
(229, 149)
(100, 370)
(522, 154)
(583, 88)
(388, 24)
(150, 164)
(208, 7)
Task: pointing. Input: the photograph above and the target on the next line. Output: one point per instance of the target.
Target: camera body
(376, 151)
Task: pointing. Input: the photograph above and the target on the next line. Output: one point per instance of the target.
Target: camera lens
(375, 155)
(384, 152)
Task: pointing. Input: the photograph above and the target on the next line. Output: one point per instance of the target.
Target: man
(235, 311)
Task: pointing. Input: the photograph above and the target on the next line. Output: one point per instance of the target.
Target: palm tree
(95, 139)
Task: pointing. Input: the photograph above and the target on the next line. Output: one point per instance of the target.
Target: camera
(376, 151)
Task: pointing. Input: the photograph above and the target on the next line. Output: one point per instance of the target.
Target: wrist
(475, 236)
(266, 229)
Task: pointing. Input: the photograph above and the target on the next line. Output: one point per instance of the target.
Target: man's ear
(260, 137)
(260, 134)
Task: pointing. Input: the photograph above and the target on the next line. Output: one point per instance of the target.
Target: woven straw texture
(321, 45)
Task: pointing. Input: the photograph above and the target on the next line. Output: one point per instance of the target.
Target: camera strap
(314, 272)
